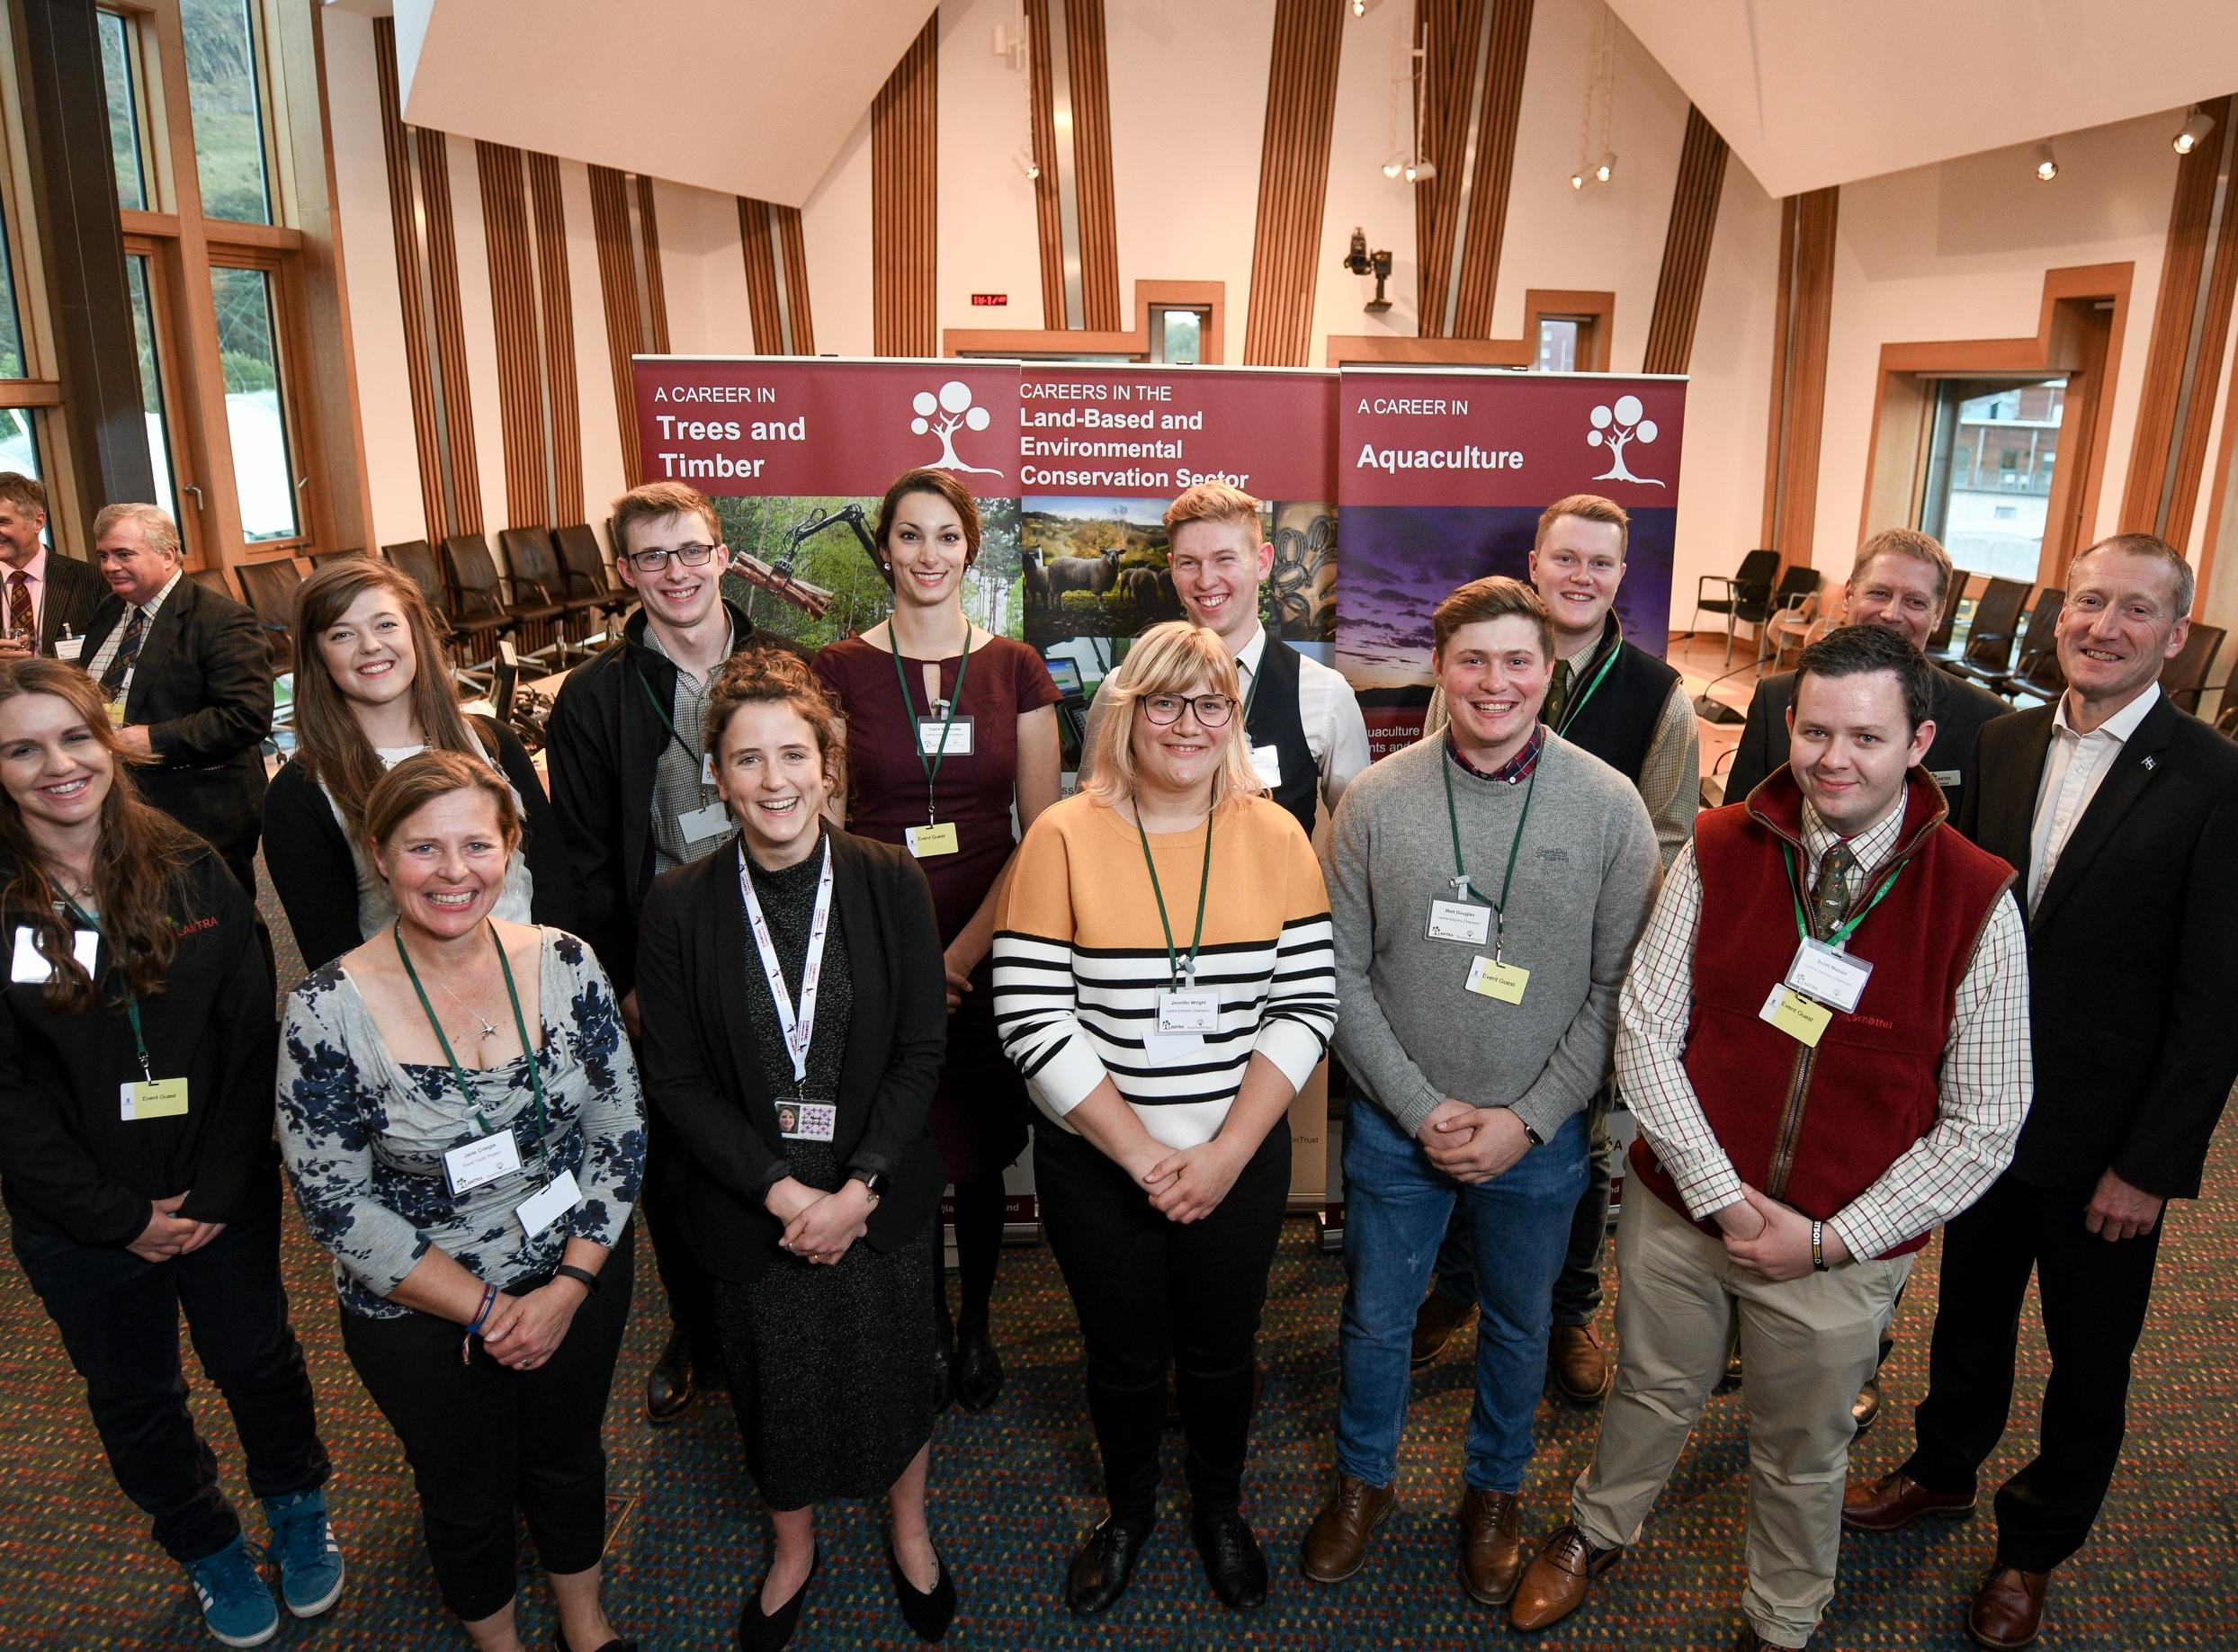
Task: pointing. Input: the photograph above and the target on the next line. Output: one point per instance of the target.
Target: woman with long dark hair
(372, 687)
(791, 994)
(952, 731)
(136, 1158)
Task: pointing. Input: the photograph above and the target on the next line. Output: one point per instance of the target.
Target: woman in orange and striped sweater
(1164, 979)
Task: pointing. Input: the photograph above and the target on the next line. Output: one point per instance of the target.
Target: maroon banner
(1122, 432)
(804, 427)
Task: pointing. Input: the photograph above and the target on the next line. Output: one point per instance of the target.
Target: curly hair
(777, 676)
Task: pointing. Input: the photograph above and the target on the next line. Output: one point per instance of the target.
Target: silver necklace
(488, 1028)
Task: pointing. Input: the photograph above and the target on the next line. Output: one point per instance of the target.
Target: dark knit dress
(830, 1367)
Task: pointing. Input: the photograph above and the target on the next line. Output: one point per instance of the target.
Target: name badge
(152, 1098)
(70, 648)
(1267, 763)
(30, 964)
(711, 820)
(1162, 1048)
(930, 738)
(116, 714)
(1460, 920)
(1504, 982)
(473, 1163)
(1188, 1012)
(1796, 1015)
(1945, 778)
(926, 841)
(1833, 978)
(807, 1120)
(559, 1196)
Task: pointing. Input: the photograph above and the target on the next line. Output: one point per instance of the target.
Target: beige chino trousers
(1807, 1345)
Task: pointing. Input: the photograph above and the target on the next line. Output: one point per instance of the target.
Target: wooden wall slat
(403, 220)
(2200, 412)
(617, 287)
(513, 315)
(1495, 166)
(1450, 65)
(761, 276)
(656, 287)
(1294, 180)
(793, 244)
(1799, 357)
(2154, 447)
(1092, 165)
(443, 293)
(555, 294)
(1693, 201)
(904, 201)
(1048, 218)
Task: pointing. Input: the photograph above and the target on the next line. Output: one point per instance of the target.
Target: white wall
(1372, 53)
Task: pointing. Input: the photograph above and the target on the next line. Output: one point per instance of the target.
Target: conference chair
(2036, 641)
(212, 579)
(416, 560)
(1786, 608)
(1939, 640)
(270, 589)
(319, 558)
(1996, 620)
(583, 574)
(533, 568)
(1748, 587)
(2184, 678)
(482, 606)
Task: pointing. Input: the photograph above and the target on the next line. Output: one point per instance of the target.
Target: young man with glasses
(635, 797)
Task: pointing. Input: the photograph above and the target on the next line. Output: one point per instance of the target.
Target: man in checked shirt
(1824, 1037)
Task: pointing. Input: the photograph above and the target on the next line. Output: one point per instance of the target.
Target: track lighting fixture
(2197, 124)
(1421, 172)
(1027, 164)
(2046, 162)
(1607, 169)
(1577, 180)
(1393, 167)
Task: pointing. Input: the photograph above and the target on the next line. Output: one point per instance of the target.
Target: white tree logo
(1617, 427)
(939, 415)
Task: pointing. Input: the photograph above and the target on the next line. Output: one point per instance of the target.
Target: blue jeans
(1397, 1206)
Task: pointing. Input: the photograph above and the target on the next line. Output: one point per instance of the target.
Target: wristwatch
(875, 1181)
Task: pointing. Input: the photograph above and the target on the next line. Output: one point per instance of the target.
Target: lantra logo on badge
(1616, 428)
(942, 415)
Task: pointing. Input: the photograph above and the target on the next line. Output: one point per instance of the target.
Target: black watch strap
(581, 1276)
(876, 1180)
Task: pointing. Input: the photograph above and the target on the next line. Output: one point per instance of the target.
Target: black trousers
(691, 1291)
(483, 1440)
(120, 1321)
(2094, 1296)
(1149, 1290)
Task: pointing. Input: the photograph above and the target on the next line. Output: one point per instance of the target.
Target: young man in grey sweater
(1486, 887)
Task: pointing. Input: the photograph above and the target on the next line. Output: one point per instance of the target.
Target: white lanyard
(798, 1030)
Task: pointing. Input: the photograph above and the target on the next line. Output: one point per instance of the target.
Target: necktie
(1830, 896)
(20, 622)
(127, 650)
(1557, 695)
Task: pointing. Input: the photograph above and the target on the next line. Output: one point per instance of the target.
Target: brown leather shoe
(1554, 1584)
(1491, 1545)
(1336, 1543)
(1581, 1369)
(1435, 1321)
(1866, 1410)
(2008, 1607)
(1896, 1500)
(1750, 1641)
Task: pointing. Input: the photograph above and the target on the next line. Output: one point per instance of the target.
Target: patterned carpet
(1013, 1488)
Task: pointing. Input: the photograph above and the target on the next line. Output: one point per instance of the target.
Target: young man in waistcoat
(1824, 1036)
(1630, 710)
(1308, 738)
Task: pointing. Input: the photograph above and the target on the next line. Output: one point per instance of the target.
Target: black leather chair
(319, 558)
(1939, 640)
(212, 579)
(583, 574)
(269, 590)
(483, 606)
(1796, 586)
(2036, 642)
(416, 560)
(2184, 678)
(1996, 622)
(1750, 586)
(532, 571)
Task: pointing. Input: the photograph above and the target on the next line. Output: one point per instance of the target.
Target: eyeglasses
(653, 562)
(1212, 711)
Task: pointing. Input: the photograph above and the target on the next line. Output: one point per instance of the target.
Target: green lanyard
(458, 1073)
(1569, 712)
(1848, 926)
(1462, 884)
(930, 764)
(79, 915)
(1181, 971)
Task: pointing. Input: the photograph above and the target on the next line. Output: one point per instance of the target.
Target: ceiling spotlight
(1027, 164)
(1421, 172)
(1607, 169)
(1359, 8)
(1393, 167)
(1577, 179)
(2046, 162)
(2196, 125)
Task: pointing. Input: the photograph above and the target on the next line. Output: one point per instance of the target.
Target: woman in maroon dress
(949, 728)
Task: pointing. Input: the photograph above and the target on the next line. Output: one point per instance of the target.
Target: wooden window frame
(1593, 312)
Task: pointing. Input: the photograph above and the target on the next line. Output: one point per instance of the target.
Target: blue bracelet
(474, 1327)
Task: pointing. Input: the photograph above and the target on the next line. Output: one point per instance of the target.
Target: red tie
(19, 621)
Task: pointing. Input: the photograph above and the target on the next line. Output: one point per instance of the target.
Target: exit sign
(988, 300)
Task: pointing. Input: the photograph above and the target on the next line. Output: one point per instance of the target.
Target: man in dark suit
(1901, 579)
(2123, 812)
(47, 600)
(189, 682)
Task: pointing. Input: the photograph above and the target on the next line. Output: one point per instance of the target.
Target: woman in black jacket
(137, 1049)
(794, 1013)
(373, 688)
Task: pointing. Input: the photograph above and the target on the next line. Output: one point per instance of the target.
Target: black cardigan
(702, 1068)
(316, 877)
(69, 1164)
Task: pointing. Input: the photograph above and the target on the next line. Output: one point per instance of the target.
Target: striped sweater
(1080, 960)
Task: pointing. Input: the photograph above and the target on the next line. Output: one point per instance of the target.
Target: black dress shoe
(975, 1374)
(560, 1641)
(761, 1632)
(928, 1611)
(1235, 1564)
(669, 1391)
(1866, 1410)
(1099, 1574)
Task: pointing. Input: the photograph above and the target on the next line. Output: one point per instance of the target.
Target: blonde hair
(1586, 507)
(1907, 542)
(1168, 659)
(422, 778)
(1216, 502)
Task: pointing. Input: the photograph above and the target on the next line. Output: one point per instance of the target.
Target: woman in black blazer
(374, 688)
(797, 982)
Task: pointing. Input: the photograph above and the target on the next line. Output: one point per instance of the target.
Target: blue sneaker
(237, 1607)
(303, 1544)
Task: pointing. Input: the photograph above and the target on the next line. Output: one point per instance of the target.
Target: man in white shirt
(1308, 738)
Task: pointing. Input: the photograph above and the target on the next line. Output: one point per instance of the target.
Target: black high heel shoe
(559, 1643)
(928, 1611)
(760, 1631)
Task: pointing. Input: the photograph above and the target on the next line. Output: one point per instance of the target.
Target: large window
(1990, 457)
(28, 389)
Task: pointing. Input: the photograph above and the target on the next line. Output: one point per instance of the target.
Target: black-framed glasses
(653, 562)
(1212, 711)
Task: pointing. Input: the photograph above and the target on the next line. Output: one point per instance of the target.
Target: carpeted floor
(1013, 1488)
